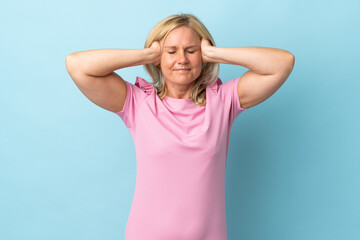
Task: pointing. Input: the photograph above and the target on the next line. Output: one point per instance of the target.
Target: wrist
(209, 53)
(151, 56)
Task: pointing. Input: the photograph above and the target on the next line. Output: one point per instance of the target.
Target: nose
(182, 58)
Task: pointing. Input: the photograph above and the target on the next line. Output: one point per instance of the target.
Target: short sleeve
(135, 96)
(230, 96)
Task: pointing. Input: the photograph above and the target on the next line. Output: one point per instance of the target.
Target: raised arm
(93, 72)
(269, 69)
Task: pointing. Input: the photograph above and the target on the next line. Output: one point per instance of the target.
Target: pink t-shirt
(181, 152)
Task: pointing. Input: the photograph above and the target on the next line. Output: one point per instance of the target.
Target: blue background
(68, 168)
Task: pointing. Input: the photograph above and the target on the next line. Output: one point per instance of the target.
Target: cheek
(197, 61)
(199, 64)
(165, 61)
(164, 65)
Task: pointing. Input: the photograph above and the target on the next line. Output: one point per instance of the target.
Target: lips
(182, 69)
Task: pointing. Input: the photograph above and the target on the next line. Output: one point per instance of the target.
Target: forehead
(182, 36)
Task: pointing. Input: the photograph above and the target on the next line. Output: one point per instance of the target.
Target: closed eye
(187, 51)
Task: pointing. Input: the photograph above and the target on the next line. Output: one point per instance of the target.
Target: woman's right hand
(155, 47)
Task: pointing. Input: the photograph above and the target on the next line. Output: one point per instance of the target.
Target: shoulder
(226, 91)
(228, 86)
(145, 86)
(220, 87)
(215, 87)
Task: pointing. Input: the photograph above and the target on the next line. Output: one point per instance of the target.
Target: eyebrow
(175, 46)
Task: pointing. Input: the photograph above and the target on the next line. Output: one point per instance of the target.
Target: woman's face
(181, 59)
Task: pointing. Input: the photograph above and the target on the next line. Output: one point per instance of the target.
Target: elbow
(70, 62)
(69, 58)
(287, 64)
(291, 57)
(290, 62)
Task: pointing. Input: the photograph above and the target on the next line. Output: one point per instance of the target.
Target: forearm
(261, 60)
(101, 62)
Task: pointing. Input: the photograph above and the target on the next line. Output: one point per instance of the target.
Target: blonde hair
(210, 70)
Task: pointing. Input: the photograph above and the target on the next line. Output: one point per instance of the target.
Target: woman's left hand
(205, 46)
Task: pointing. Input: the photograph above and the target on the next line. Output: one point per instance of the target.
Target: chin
(182, 79)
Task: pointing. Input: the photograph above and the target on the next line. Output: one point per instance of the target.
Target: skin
(268, 68)
(185, 53)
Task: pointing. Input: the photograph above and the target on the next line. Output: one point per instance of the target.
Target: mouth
(182, 70)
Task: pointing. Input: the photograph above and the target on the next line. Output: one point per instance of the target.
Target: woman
(180, 123)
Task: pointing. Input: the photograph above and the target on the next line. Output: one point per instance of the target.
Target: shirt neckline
(170, 99)
(179, 104)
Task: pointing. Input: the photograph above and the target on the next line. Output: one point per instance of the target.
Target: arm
(101, 62)
(269, 69)
(92, 72)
